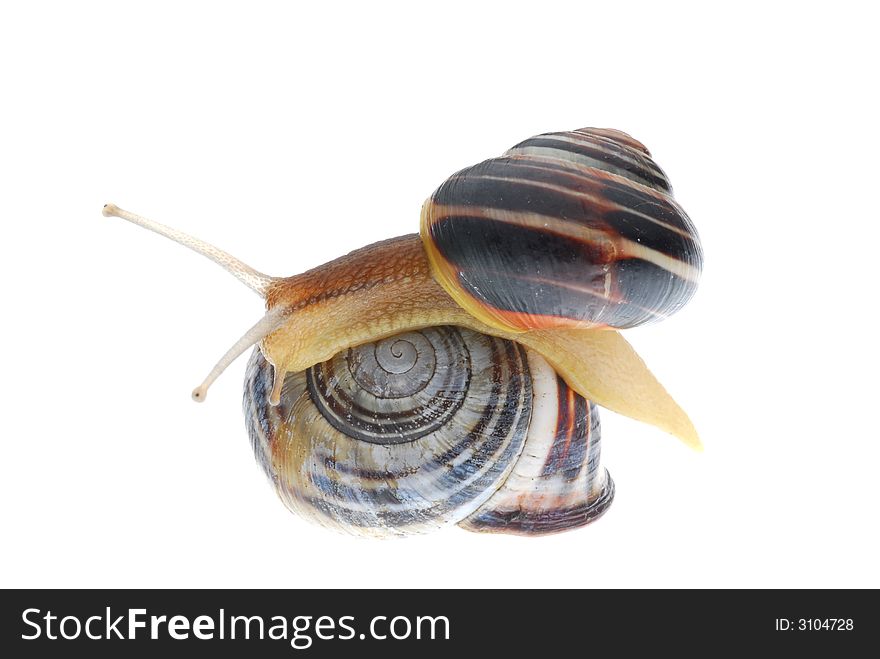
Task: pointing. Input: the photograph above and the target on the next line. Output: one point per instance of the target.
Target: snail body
(452, 376)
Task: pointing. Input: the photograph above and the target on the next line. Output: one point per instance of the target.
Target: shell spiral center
(396, 390)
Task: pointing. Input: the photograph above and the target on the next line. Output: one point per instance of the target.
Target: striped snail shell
(426, 429)
(451, 377)
(570, 229)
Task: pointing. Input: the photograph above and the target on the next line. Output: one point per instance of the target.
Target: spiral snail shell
(555, 234)
(453, 377)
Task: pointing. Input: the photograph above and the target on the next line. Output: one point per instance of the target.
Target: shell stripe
(555, 520)
(604, 242)
(607, 190)
(627, 222)
(604, 146)
(579, 271)
(386, 502)
(608, 145)
(587, 197)
(557, 483)
(585, 156)
(594, 156)
(539, 286)
(258, 382)
(359, 419)
(623, 151)
(569, 450)
(614, 135)
(516, 372)
(348, 483)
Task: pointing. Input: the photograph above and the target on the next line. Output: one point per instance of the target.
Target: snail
(453, 376)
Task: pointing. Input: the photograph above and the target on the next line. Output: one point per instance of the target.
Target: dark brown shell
(571, 229)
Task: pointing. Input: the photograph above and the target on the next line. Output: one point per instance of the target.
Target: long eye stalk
(253, 279)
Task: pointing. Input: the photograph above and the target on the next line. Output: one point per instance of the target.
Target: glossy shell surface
(568, 229)
(427, 429)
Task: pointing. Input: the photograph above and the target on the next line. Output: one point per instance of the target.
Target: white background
(291, 133)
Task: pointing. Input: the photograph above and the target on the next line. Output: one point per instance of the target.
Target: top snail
(564, 239)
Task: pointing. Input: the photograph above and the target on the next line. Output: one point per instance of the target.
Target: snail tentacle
(270, 322)
(253, 279)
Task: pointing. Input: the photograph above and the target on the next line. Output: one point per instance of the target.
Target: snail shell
(570, 229)
(426, 429)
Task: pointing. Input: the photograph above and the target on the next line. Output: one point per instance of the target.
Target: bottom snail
(426, 429)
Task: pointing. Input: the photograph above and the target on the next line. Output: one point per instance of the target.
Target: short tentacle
(269, 323)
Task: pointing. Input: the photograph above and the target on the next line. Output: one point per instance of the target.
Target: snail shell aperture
(453, 377)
